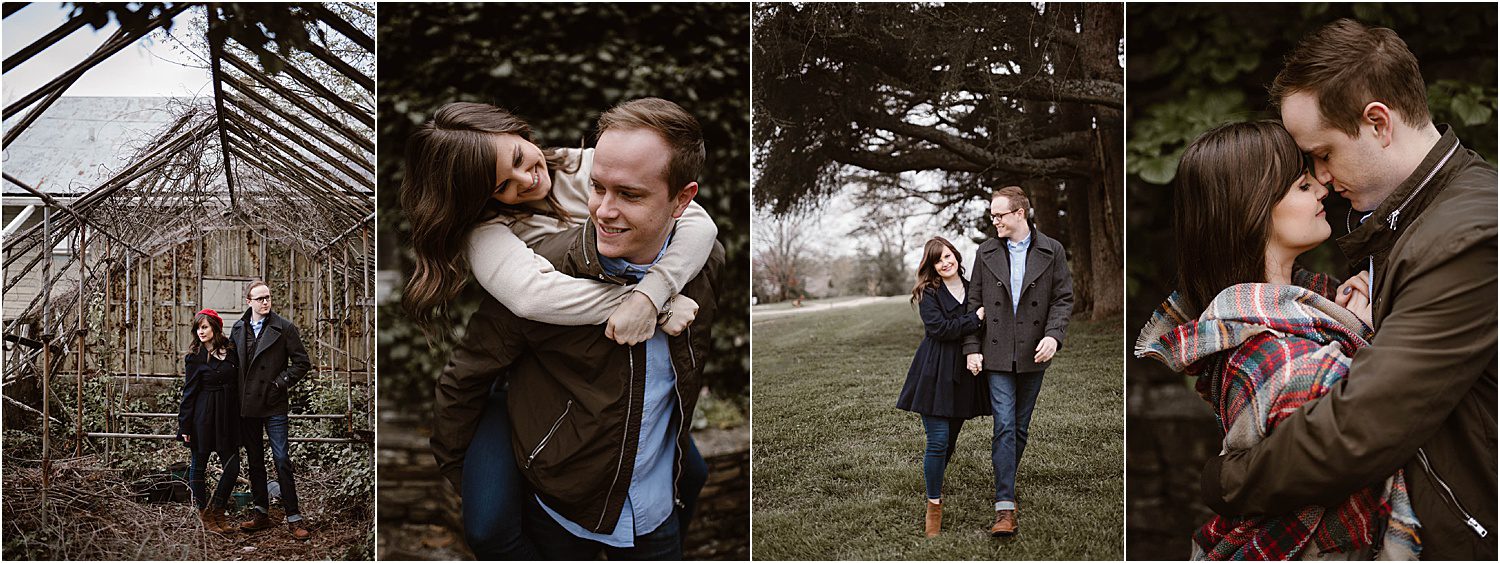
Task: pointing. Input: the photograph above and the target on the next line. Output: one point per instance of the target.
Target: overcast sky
(150, 67)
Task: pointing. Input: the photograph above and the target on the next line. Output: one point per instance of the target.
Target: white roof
(81, 141)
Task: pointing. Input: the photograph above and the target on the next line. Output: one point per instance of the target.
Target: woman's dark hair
(927, 275)
(1228, 181)
(446, 190)
(217, 342)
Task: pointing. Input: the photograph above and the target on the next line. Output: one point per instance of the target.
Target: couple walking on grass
(988, 343)
(237, 385)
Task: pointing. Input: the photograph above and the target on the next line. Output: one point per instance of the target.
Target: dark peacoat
(938, 384)
(210, 409)
(1009, 340)
(271, 367)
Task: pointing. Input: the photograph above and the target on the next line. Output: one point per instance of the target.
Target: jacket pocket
(1451, 499)
(550, 432)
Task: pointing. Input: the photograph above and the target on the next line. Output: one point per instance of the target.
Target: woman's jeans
(226, 482)
(942, 435)
(495, 495)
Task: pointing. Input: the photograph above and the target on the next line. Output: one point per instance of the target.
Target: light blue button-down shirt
(649, 500)
(255, 326)
(1017, 252)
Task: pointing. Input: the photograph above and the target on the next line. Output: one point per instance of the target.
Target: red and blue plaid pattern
(1259, 351)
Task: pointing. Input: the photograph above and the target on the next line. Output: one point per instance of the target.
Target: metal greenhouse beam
(216, 50)
(52, 202)
(290, 96)
(64, 30)
(302, 124)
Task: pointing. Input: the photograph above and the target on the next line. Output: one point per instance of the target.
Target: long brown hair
(1227, 183)
(446, 190)
(217, 342)
(927, 276)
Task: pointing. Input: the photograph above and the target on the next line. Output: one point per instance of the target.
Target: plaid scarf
(1262, 350)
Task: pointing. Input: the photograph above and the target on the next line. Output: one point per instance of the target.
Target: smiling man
(600, 430)
(1421, 397)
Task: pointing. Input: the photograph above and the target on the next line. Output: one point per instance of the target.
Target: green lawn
(787, 305)
(837, 467)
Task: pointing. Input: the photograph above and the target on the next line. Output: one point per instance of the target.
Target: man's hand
(976, 363)
(683, 310)
(980, 312)
(1045, 349)
(633, 322)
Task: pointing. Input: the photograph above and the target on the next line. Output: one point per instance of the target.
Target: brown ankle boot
(1005, 523)
(259, 521)
(217, 522)
(934, 518)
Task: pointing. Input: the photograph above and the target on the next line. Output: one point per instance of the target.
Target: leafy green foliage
(559, 66)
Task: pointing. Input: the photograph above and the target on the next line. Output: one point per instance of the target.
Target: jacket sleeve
(1430, 350)
(190, 389)
(493, 339)
(939, 326)
(975, 300)
(527, 284)
(691, 244)
(297, 364)
(1061, 308)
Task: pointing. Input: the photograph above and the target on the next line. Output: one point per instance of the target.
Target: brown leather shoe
(934, 518)
(1005, 523)
(259, 522)
(214, 521)
(298, 531)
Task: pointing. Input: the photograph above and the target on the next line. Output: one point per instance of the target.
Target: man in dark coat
(1021, 279)
(272, 360)
(1421, 397)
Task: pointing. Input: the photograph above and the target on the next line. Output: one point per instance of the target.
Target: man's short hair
(1346, 65)
(1016, 196)
(253, 285)
(675, 125)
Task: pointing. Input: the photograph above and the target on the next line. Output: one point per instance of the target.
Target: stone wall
(1171, 433)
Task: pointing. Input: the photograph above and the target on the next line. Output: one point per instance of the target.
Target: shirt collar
(622, 267)
(1013, 245)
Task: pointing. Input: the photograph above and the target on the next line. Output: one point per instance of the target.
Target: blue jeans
(1012, 398)
(942, 434)
(495, 495)
(255, 455)
(226, 481)
(558, 544)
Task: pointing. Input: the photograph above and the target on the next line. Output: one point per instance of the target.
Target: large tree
(988, 95)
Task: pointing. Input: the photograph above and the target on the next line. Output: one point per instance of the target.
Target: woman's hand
(682, 310)
(1354, 295)
(980, 312)
(633, 322)
(975, 363)
(186, 438)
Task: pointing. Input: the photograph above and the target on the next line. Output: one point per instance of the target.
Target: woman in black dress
(208, 420)
(938, 387)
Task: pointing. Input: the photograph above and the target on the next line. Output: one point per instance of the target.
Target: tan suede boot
(934, 518)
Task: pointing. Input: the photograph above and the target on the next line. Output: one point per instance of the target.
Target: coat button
(1033, 303)
(1035, 323)
(994, 341)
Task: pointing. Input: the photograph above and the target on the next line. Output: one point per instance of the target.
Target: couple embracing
(563, 415)
(988, 343)
(235, 387)
(1358, 417)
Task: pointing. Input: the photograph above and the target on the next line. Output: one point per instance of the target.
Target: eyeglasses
(995, 218)
(262, 299)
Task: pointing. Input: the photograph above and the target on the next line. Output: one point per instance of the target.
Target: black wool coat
(1009, 340)
(938, 383)
(210, 409)
(271, 367)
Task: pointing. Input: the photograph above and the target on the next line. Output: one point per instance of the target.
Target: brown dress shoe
(259, 522)
(1005, 523)
(934, 518)
(298, 531)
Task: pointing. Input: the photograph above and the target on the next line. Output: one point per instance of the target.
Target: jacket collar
(583, 254)
(1038, 256)
(1378, 233)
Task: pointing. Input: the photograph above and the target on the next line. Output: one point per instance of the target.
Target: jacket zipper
(691, 356)
(1396, 215)
(625, 437)
(550, 432)
(1453, 499)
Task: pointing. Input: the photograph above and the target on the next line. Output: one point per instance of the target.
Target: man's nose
(607, 208)
(1322, 174)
